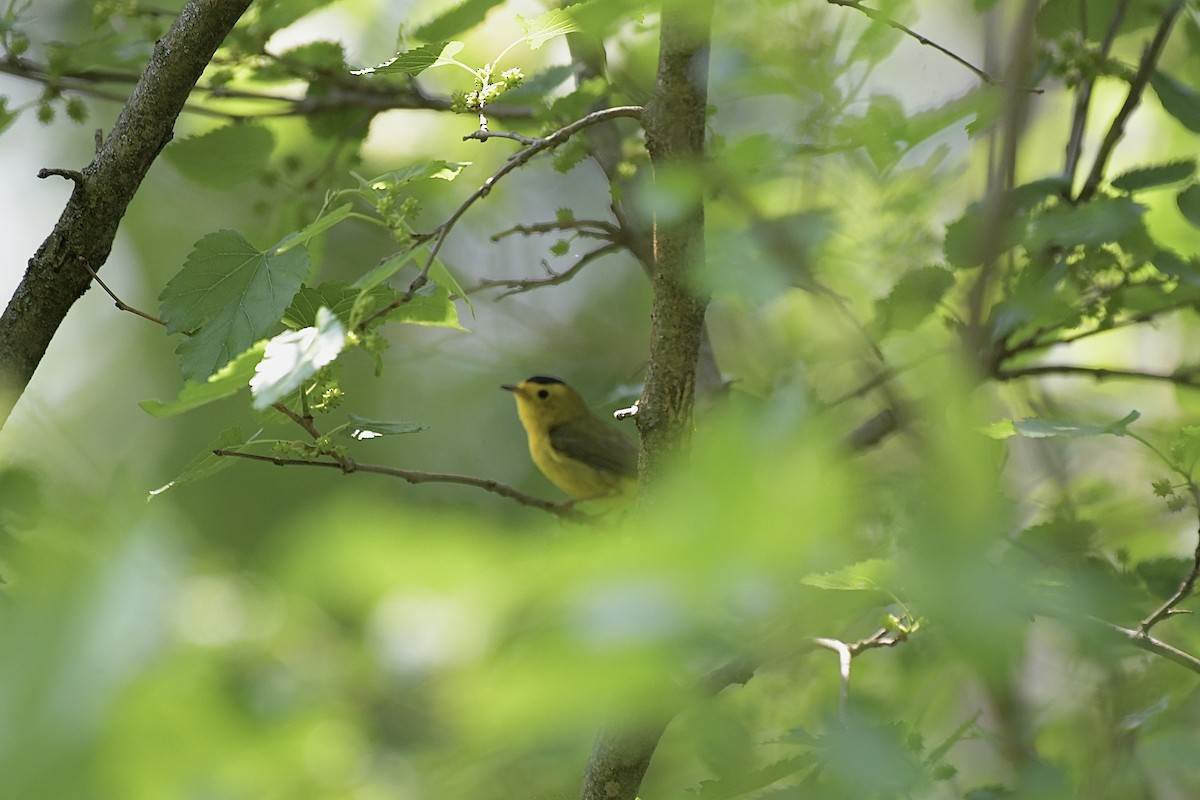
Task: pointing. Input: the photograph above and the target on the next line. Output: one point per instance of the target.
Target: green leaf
(224, 157)
(912, 299)
(385, 269)
(869, 575)
(967, 237)
(1157, 175)
(441, 170)
(442, 276)
(337, 296)
(1189, 204)
(414, 62)
(362, 429)
(430, 306)
(1178, 99)
(206, 463)
(326, 220)
(1102, 220)
(227, 381)
(295, 356)
(455, 20)
(1171, 263)
(544, 27)
(1034, 428)
(229, 294)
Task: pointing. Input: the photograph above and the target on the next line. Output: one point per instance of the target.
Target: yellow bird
(575, 449)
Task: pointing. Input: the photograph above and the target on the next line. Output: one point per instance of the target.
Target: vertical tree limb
(56, 276)
(674, 122)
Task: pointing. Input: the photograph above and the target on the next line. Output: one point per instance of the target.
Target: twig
(73, 175)
(562, 510)
(587, 228)
(514, 161)
(878, 16)
(1150, 644)
(1083, 95)
(1186, 586)
(1180, 377)
(121, 304)
(519, 285)
(482, 135)
(1138, 85)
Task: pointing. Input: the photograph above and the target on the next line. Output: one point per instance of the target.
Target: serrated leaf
(1189, 204)
(205, 464)
(544, 27)
(224, 157)
(363, 429)
(1034, 428)
(1102, 220)
(912, 299)
(869, 575)
(295, 356)
(455, 20)
(1168, 262)
(324, 222)
(337, 296)
(439, 169)
(415, 61)
(1157, 175)
(229, 294)
(227, 381)
(1178, 99)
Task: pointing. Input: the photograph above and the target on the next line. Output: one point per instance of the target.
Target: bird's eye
(542, 393)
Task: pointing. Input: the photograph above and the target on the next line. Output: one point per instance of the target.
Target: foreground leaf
(227, 381)
(229, 294)
(295, 356)
(205, 464)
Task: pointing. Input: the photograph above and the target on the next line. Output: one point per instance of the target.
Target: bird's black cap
(543, 379)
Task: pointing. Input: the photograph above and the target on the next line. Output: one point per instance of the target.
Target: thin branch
(1150, 644)
(562, 510)
(514, 161)
(121, 304)
(73, 175)
(589, 228)
(1183, 377)
(520, 285)
(1083, 94)
(1186, 586)
(1116, 131)
(879, 16)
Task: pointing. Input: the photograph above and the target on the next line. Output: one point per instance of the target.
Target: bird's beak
(508, 387)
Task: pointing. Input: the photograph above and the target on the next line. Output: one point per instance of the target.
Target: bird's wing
(592, 442)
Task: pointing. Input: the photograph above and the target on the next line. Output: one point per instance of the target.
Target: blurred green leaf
(1096, 222)
(1189, 204)
(1158, 175)
(455, 20)
(912, 299)
(1034, 428)
(1178, 99)
(872, 575)
(544, 27)
(224, 157)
